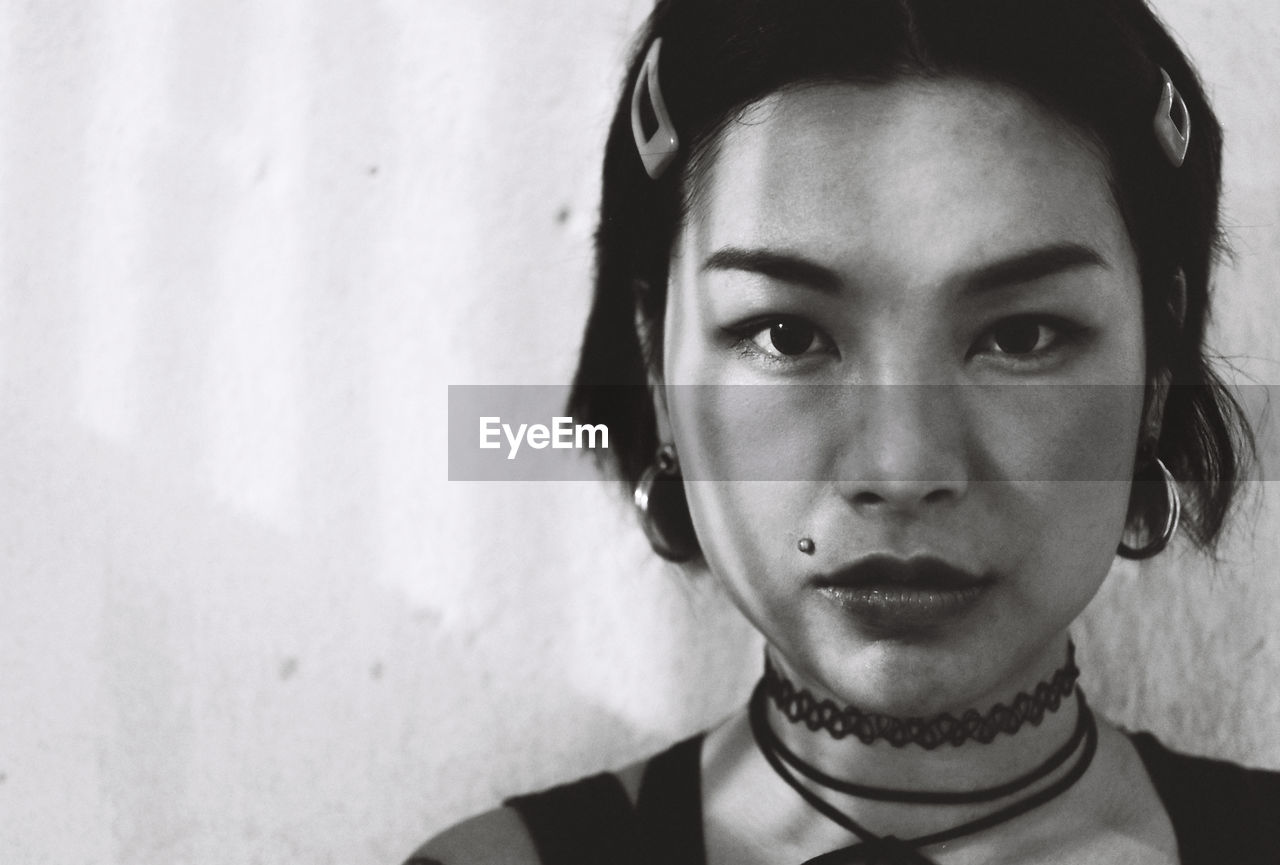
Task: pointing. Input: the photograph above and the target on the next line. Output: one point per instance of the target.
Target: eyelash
(745, 339)
(744, 336)
(1064, 333)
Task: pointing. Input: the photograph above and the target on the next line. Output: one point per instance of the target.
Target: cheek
(748, 531)
(749, 455)
(1049, 468)
(747, 511)
(756, 461)
(765, 432)
(741, 525)
(1080, 433)
(1073, 457)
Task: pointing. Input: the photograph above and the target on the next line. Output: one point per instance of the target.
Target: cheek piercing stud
(806, 546)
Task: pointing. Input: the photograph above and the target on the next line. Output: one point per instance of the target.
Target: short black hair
(1097, 63)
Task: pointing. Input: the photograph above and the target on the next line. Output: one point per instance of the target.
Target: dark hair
(1096, 63)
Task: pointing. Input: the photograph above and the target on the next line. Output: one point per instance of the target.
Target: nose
(906, 447)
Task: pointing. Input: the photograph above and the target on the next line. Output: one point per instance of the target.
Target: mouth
(918, 572)
(893, 595)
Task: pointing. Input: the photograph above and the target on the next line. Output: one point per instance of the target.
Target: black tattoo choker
(800, 706)
(873, 848)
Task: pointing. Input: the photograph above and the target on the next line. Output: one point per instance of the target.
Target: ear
(651, 350)
(1178, 299)
(1153, 414)
(1153, 417)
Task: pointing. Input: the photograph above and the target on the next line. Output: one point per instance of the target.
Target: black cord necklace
(872, 848)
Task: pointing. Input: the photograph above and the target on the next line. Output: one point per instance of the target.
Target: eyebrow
(1020, 268)
(1032, 265)
(781, 266)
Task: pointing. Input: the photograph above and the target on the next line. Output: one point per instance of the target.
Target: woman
(918, 289)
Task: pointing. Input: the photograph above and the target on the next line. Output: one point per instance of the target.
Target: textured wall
(244, 617)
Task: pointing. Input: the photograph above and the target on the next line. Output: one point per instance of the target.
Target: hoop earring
(1170, 522)
(663, 509)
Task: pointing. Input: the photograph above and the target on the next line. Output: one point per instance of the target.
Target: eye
(782, 338)
(1025, 336)
(787, 337)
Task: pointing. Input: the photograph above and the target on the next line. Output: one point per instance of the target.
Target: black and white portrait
(714, 432)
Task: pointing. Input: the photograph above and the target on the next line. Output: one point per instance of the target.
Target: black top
(1221, 812)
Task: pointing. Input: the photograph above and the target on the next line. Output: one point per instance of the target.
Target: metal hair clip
(1173, 123)
(658, 150)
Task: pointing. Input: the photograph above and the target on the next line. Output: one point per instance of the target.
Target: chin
(907, 697)
(909, 679)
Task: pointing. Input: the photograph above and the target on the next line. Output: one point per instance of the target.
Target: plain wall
(244, 616)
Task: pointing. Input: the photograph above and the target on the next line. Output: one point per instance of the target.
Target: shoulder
(1183, 774)
(496, 837)
(590, 819)
(1215, 805)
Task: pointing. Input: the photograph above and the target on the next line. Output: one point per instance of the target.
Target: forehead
(942, 173)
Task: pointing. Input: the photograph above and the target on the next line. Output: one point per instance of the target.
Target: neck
(967, 749)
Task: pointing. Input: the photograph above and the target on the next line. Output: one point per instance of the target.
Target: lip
(915, 572)
(890, 594)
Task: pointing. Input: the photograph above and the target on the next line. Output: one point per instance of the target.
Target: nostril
(907, 495)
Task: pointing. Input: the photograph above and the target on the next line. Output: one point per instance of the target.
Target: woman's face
(933, 298)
